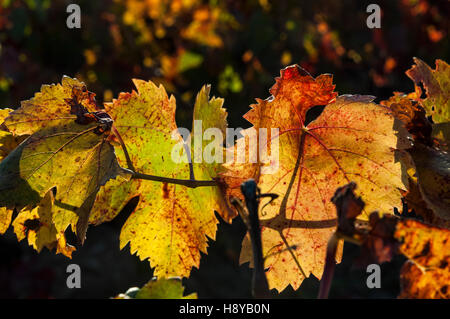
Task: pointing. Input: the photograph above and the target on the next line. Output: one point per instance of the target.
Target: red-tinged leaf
(353, 139)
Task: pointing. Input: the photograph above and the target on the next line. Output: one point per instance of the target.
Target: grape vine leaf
(436, 103)
(50, 107)
(353, 139)
(413, 116)
(417, 205)
(437, 84)
(4, 113)
(36, 224)
(8, 141)
(427, 273)
(6, 138)
(432, 168)
(5, 219)
(67, 148)
(432, 162)
(164, 288)
(7, 144)
(111, 198)
(171, 223)
(429, 162)
(211, 115)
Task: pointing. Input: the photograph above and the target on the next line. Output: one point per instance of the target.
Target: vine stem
(124, 148)
(260, 285)
(191, 183)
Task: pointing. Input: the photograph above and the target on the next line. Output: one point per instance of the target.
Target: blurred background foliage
(237, 46)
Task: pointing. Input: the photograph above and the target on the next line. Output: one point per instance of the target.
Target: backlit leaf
(49, 107)
(163, 288)
(427, 274)
(67, 149)
(37, 226)
(8, 141)
(429, 165)
(437, 86)
(171, 223)
(353, 139)
(5, 219)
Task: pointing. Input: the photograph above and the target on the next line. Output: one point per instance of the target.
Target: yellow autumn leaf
(172, 222)
(5, 219)
(44, 232)
(429, 162)
(427, 273)
(49, 107)
(8, 142)
(437, 87)
(68, 149)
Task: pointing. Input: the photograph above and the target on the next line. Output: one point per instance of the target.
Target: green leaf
(171, 288)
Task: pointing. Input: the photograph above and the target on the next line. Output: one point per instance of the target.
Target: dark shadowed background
(238, 47)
